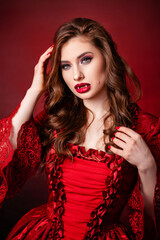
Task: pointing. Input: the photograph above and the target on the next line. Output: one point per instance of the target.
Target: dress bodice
(91, 189)
(86, 195)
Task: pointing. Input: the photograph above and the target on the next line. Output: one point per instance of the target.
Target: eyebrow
(81, 55)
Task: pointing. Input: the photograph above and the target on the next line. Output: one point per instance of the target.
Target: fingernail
(113, 138)
(109, 147)
(49, 53)
(117, 127)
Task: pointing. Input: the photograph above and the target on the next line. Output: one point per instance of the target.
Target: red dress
(87, 195)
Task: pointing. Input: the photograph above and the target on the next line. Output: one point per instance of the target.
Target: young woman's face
(83, 68)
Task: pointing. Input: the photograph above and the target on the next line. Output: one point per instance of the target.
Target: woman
(99, 149)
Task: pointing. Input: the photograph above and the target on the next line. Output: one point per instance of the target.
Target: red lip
(82, 87)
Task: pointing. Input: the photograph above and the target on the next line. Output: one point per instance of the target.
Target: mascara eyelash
(86, 58)
(65, 65)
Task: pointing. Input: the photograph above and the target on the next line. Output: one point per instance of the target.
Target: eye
(86, 60)
(65, 66)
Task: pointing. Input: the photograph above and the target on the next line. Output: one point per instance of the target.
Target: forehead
(76, 46)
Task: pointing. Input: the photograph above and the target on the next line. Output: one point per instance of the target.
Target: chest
(94, 138)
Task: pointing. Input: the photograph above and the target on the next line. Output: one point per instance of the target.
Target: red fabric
(17, 166)
(149, 128)
(86, 197)
(84, 183)
(6, 152)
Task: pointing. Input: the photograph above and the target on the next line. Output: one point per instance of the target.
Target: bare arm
(29, 101)
(147, 187)
(135, 151)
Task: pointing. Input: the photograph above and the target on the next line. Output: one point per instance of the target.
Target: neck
(98, 106)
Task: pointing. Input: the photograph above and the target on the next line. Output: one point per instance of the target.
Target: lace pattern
(157, 204)
(149, 128)
(156, 133)
(17, 166)
(135, 201)
(22, 167)
(135, 209)
(57, 197)
(6, 150)
(27, 156)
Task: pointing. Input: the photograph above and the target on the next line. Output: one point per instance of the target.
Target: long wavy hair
(66, 113)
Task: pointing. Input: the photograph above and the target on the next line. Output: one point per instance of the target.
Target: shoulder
(145, 123)
(148, 126)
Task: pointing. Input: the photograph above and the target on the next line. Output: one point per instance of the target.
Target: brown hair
(66, 112)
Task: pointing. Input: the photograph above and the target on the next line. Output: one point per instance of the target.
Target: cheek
(101, 77)
(100, 72)
(63, 75)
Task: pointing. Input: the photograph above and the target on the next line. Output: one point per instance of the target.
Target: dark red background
(27, 29)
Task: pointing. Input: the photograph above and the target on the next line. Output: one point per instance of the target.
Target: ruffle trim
(135, 201)
(91, 154)
(95, 226)
(36, 225)
(150, 132)
(57, 197)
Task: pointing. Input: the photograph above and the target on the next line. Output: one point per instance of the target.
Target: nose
(77, 74)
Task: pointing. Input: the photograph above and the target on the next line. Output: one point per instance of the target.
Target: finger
(41, 64)
(123, 136)
(43, 60)
(49, 49)
(47, 52)
(119, 142)
(128, 131)
(45, 56)
(116, 151)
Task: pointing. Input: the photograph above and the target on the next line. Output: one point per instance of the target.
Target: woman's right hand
(26, 108)
(39, 71)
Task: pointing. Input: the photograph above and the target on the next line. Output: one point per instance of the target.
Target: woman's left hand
(133, 149)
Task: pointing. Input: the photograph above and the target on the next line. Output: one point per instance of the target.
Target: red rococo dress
(87, 195)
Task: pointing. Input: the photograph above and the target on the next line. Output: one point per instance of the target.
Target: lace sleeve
(149, 127)
(154, 144)
(6, 151)
(17, 166)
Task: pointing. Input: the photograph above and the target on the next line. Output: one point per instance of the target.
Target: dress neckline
(90, 154)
